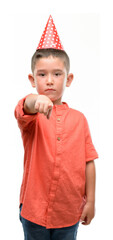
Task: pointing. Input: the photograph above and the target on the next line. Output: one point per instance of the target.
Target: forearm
(90, 181)
(29, 104)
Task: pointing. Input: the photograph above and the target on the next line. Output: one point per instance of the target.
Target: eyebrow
(42, 70)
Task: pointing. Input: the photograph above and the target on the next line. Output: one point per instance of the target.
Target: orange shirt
(56, 152)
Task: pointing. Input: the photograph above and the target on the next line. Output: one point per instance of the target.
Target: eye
(57, 74)
(41, 74)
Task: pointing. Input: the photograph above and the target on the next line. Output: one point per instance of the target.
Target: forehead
(50, 63)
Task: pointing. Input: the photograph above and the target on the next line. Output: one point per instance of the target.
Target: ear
(31, 79)
(69, 79)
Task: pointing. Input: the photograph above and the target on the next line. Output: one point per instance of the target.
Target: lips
(50, 89)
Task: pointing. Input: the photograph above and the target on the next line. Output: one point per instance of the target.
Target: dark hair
(46, 52)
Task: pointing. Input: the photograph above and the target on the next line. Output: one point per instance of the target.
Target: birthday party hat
(50, 38)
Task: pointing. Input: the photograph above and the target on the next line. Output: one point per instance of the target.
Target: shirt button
(58, 138)
(58, 119)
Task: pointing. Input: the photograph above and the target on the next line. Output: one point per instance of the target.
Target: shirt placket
(56, 171)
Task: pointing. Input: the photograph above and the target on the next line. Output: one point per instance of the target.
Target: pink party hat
(50, 38)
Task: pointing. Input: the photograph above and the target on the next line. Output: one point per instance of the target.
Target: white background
(86, 32)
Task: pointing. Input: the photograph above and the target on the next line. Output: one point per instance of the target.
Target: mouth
(49, 90)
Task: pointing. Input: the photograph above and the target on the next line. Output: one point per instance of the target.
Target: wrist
(29, 104)
(90, 200)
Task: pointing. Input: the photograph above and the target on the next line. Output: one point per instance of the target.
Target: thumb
(49, 110)
(83, 216)
(50, 105)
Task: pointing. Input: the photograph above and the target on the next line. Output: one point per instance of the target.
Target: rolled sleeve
(90, 151)
(25, 121)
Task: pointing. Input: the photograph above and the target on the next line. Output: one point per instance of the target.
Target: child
(58, 187)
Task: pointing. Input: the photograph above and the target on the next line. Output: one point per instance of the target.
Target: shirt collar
(63, 106)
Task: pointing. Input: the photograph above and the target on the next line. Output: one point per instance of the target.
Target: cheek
(62, 84)
(60, 88)
(39, 85)
(40, 90)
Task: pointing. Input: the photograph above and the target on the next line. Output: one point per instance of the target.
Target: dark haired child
(58, 186)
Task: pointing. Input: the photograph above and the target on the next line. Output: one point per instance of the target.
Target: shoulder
(77, 113)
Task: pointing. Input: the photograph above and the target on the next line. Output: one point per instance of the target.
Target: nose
(49, 79)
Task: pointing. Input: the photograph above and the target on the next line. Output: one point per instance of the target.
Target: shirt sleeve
(25, 121)
(90, 151)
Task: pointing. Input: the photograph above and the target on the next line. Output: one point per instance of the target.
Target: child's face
(50, 73)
